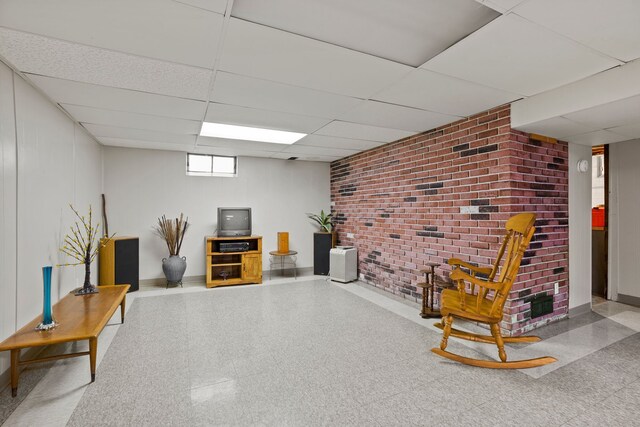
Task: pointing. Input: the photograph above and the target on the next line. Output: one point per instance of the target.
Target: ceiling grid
(352, 75)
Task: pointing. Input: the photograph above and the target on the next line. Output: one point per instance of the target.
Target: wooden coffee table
(79, 317)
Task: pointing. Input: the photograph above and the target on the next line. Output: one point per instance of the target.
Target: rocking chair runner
(478, 306)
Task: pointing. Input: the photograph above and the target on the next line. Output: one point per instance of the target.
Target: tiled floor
(312, 352)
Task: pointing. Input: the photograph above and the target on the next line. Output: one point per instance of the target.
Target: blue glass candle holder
(48, 322)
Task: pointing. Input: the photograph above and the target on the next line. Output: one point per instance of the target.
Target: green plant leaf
(325, 221)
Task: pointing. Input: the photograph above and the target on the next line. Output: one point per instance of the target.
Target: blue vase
(48, 322)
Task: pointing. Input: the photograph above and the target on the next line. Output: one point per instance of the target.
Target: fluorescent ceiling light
(218, 130)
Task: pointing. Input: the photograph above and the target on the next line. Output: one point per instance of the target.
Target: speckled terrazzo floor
(310, 352)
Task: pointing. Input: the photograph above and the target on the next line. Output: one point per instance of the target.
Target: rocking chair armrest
(458, 274)
(455, 262)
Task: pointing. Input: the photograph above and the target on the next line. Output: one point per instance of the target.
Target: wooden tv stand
(240, 267)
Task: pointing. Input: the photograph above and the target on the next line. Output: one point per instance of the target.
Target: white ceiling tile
(101, 131)
(128, 143)
(76, 93)
(218, 6)
(306, 157)
(610, 86)
(557, 127)
(271, 54)
(501, 6)
(396, 117)
(244, 153)
(365, 132)
(132, 120)
(235, 150)
(610, 114)
(320, 151)
(244, 116)
(262, 94)
(436, 92)
(598, 137)
(161, 29)
(239, 144)
(410, 34)
(203, 149)
(335, 142)
(630, 130)
(150, 145)
(609, 26)
(513, 54)
(54, 58)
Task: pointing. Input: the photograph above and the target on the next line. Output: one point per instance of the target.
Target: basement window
(211, 165)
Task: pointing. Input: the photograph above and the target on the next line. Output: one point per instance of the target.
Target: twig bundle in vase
(83, 245)
(172, 232)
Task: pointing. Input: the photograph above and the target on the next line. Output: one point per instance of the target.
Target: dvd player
(234, 247)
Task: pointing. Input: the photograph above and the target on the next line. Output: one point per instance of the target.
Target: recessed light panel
(219, 130)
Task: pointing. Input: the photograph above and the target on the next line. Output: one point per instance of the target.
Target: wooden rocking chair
(478, 306)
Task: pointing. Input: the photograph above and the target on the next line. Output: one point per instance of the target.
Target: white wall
(579, 228)
(624, 233)
(8, 212)
(141, 185)
(47, 163)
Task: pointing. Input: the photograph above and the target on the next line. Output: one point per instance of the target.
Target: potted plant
(83, 245)
(325, 221)
(323, 241)
(172, 231)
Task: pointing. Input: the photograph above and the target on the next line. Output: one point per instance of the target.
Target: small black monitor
(234, 222)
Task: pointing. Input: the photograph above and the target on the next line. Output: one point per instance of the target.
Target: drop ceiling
(352, 75)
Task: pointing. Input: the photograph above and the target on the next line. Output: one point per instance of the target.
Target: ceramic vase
(174, 268)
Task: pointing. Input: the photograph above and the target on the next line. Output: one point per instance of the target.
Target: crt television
(234, 222)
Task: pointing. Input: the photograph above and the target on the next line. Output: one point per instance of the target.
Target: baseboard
(581, 309)
(628, 299)
(161, 281)
(277, 274)
(305, 271)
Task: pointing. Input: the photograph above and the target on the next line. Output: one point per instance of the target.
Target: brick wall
(447, 193)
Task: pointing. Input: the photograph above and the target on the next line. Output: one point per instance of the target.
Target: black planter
(322, 244)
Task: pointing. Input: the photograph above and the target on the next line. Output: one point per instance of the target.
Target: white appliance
(343, 264)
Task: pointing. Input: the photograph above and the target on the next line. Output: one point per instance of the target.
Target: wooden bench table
(79, 317)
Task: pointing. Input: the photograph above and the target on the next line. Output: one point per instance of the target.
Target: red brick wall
(447, 193)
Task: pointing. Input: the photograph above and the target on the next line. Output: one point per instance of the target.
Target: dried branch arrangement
(172, 231)
(82, 243)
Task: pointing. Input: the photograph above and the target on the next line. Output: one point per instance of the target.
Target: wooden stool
(428, 287)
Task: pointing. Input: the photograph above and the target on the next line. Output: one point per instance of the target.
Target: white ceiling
(411, 34)
(353, 75)
(172, 32)
(519, 56)
(609, 26)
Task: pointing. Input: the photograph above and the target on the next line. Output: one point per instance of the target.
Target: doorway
(599, 220)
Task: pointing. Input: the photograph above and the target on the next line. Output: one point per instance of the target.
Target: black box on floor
(118, 262)
(322, 244)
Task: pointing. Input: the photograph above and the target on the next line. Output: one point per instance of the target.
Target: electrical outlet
(333, 203)
(361, 276)
(349, 235)
(556, 287)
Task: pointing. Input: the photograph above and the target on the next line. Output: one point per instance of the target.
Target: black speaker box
(322, 244)
(119, 262)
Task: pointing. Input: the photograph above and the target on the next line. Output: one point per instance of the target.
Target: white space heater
(343, 264)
